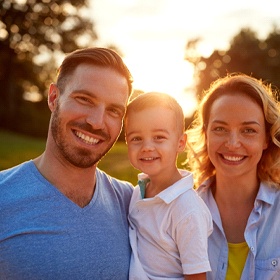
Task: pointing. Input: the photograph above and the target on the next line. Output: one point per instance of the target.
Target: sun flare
(171, 75)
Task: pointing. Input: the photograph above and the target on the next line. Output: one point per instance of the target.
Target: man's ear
(53, 96)
(182, 142)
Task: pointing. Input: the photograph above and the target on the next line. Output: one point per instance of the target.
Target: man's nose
(96, 117)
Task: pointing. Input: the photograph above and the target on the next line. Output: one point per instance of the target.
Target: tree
(32, 34)
(247, 54)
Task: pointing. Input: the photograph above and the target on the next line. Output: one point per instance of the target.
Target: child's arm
(200, 276)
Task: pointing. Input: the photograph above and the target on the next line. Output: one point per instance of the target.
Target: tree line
(247, 53)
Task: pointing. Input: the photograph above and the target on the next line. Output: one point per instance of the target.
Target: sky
(152, 35)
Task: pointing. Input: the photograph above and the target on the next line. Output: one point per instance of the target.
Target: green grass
(15, 148)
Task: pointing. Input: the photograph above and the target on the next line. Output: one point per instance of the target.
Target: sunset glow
(163, 73)
(152, 36)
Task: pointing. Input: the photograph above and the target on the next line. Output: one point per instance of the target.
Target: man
(62, 217)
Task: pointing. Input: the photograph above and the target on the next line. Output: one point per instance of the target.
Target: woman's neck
(235, 201)
(236, 189)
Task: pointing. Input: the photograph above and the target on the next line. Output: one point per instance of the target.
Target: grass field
(15, 148)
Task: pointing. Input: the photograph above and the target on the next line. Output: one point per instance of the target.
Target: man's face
(87, 116)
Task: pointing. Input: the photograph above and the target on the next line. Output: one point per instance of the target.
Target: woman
(234, 153)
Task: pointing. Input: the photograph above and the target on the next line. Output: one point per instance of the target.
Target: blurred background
(173, 46)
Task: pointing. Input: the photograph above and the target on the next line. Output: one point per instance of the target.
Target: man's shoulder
(15, 181)
(15, 172)
(114, 182)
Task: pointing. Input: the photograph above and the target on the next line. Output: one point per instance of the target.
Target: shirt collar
(266, 193)
(173, 191)
(205, 193)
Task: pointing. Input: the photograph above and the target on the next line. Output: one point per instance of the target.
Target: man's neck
(77, 184)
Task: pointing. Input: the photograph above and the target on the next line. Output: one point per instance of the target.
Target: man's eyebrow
(92, 95)
(83, 91)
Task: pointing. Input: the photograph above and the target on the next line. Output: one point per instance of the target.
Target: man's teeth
(231, 158)
(86, 138)
(149, 158)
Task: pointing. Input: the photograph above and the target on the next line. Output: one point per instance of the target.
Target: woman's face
(236, 135)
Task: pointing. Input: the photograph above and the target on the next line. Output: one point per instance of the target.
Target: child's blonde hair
(158, 99)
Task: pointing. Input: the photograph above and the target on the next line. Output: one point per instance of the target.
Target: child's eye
(135, 139)
(160, 137)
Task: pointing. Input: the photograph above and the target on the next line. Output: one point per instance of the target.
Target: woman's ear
(205, 131)
(53, 96)
(266, 142)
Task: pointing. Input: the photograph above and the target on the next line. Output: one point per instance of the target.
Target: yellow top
(237, 255)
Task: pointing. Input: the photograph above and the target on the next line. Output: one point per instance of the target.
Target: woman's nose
(232, 141)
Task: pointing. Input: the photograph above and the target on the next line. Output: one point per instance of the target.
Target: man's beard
(79, 157)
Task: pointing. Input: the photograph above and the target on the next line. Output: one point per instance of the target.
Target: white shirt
(168, 233)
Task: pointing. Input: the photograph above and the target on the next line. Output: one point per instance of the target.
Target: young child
(169, 223)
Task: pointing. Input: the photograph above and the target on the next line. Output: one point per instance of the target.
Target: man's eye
(116, 112)
(83, 99)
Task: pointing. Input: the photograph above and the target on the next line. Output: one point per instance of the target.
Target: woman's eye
(219, 128)
(249, 130)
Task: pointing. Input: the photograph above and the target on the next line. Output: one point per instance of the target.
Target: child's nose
(148, 145)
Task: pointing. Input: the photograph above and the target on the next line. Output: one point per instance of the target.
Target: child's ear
(182, 142)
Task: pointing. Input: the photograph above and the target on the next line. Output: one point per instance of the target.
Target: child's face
(154, 141)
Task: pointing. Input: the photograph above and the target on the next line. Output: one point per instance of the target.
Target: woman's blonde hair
(269, 164)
